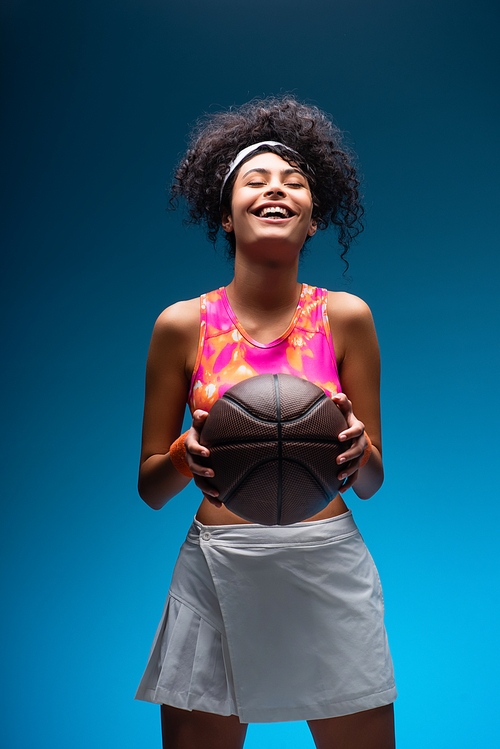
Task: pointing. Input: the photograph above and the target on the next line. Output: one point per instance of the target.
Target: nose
(275, 188)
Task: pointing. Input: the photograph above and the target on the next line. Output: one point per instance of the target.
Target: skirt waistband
(251, 534)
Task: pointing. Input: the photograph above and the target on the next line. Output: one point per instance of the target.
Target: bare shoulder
(175, 337)
(351, 324)
(348, 309)
(179, 320)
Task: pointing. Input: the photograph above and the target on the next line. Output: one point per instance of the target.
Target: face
(271, 204)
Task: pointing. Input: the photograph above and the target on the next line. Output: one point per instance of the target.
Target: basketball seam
(230, 494)
(262, 440)
(260, 463)
(312, 476)
(273, 421)
(280, 450)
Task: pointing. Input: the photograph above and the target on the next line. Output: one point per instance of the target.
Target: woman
(267, 623)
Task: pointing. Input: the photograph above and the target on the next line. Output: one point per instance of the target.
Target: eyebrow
(284, 172)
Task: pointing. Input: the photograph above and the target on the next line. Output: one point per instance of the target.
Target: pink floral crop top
(227, 354)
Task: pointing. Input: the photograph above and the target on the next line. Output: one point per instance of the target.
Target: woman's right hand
(194, 449)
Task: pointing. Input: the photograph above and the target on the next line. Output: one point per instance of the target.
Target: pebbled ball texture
(273, 446)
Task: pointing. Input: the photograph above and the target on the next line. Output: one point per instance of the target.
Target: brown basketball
(273, 446)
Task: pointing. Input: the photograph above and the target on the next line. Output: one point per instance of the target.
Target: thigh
(192, 729)
(370, 729)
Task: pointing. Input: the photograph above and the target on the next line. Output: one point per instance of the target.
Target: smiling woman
(246, 598)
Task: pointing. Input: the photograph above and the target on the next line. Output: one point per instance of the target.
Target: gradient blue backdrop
(99, 95)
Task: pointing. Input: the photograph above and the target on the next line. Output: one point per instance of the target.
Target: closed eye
(288, 184)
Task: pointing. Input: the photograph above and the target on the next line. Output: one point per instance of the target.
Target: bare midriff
(208, 514)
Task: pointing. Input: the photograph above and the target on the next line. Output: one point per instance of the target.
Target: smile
(274, 212)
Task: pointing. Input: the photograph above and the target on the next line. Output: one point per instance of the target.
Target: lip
(273, 204)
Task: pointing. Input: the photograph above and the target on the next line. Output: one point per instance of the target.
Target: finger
(354, 453)
(206, 487)
(200, 470)
(347, 470)
(192, 441)
(196, 455)
(199, 418)
(353, 431)
(341, 399)
(193, 447)
(348, 482)
(357, 447)
(355, 427)
(213, 501)
(343, 403)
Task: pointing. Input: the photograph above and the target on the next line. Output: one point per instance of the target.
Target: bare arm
(356, 345)
(171, 357)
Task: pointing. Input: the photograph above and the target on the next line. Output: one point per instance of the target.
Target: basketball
(273, 448)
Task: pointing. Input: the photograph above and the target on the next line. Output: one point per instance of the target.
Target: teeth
(274, 210)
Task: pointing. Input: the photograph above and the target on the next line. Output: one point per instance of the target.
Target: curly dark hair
(323, 157)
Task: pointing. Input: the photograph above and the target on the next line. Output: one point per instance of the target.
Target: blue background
(98, 99)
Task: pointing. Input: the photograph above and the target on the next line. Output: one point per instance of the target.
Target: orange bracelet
(367, 452)
(178, 456)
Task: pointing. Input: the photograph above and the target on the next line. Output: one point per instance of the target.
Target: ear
(312, 228)
(227, 221)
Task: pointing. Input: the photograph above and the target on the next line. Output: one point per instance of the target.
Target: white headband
(244, 153)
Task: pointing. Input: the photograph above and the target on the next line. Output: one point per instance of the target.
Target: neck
(264, 287)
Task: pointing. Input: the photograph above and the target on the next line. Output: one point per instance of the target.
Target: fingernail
(207, 473)
(342, 437)
(342, 460)
(342, 476)
(204, 453)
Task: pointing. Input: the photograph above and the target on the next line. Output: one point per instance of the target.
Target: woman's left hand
(350, 460)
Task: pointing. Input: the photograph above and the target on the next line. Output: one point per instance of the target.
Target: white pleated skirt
(272, 624)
